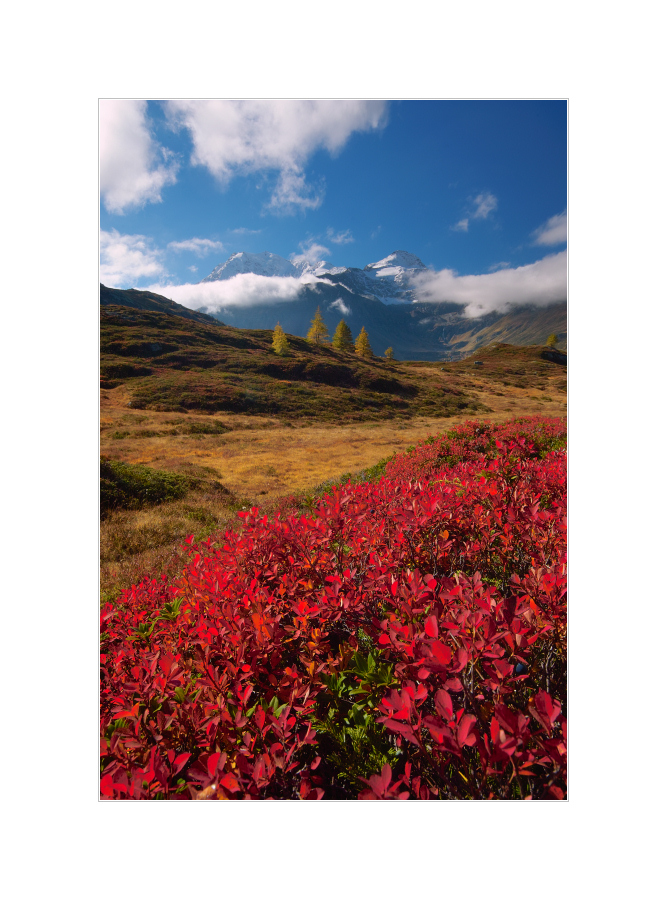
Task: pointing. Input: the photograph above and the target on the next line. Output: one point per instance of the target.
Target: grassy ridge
(172, 364)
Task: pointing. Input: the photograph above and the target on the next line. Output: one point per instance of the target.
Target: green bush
(127, 486)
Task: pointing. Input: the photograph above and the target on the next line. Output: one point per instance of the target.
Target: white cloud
(200, 246)
(133, 167)
(343, 237)
(193, 269)
(500, 265)
(341, 306)
(480, 207)
(484, 205)
(245, 231)
(241, 290)
(292, 193)
(127, 258)
(554, 231)
(539, 284)
(232, 137)
(311, 253)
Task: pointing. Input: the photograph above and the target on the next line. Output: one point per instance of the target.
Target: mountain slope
(154, 302)
(426, 331)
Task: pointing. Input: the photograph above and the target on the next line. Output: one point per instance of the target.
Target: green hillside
(169, 363)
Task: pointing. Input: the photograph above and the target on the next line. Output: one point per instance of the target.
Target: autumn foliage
(406, 640)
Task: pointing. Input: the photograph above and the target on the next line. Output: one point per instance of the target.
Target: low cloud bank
(240, 291)
(538, 284)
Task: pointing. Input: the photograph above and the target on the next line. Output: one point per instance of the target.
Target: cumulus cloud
(125, 259)
(133, 166)
(232, 137)
(554, 231)
(341, 306)
(311, 253)
(485, 204)
(200, 246)
(243, 290)
(343, 237)
(538, 284)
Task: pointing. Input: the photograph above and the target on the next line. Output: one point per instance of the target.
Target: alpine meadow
(333, 474)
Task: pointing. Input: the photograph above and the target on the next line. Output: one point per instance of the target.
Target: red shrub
(213, 686)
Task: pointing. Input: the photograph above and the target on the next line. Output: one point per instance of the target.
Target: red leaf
(212, 764)
(246, 693)
(431, 626)
(385, 778)
(402, 728)
(463, 736)
(461, 658)
(443, 704)
(106, 786)
(180, 761)
(128, 713)
(230, 783)
(442, 653)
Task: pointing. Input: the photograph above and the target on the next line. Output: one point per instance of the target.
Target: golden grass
(265, 458)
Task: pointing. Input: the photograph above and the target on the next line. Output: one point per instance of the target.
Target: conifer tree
(342, 339)
(280, 344)
(362, 345)
(552, 340)
(318, 330)
(389, 353)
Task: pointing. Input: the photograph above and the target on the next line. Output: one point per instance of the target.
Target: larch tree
(362, 345)
(389, 353)
(318, 330)
(279, 344)
(342, 339)
(552, 340)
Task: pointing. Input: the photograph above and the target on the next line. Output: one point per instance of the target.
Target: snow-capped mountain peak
(305, 268)
(268, 264)
(388, 280)
(398, 259)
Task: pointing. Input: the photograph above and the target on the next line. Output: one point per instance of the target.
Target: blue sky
(471, 187)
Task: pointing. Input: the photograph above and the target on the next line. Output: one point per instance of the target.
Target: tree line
(341, 341)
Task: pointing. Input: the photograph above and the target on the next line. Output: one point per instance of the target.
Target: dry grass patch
(136, 542)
